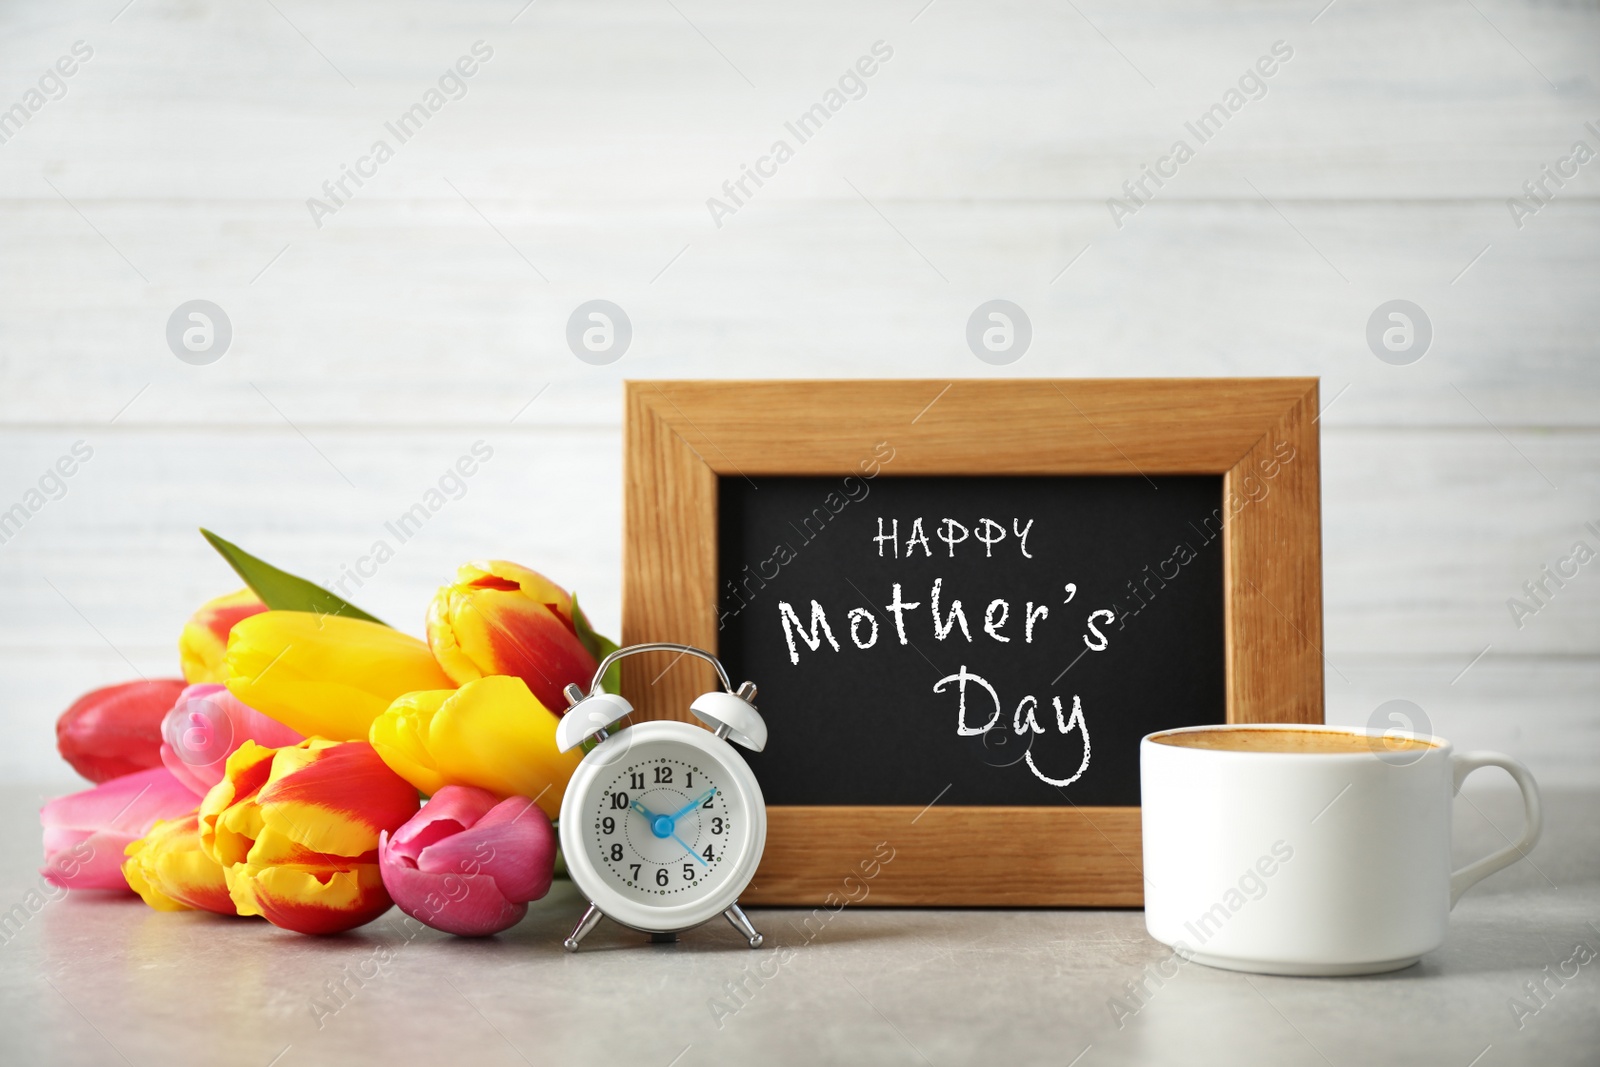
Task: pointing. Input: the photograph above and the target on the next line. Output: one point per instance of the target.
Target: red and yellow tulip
(491, 733)
(204, 641)
(295, 831)
(169, 869)
(500, 618)
(326, 675)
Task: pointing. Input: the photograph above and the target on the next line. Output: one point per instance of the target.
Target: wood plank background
(429, 312)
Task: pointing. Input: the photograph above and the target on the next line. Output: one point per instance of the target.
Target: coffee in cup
(1307, 850)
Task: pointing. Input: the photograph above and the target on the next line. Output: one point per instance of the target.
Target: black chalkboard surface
(1043, 626)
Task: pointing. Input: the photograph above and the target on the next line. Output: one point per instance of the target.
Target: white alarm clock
(663, 823)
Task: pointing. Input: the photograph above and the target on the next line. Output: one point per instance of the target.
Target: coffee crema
(1291, 740)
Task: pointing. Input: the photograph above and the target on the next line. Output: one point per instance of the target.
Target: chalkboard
(741, 496)
(1043, 625)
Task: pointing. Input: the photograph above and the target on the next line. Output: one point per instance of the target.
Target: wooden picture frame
(681, 436)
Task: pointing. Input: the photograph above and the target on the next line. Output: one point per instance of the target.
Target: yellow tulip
(204, 642)
(325, 675)
(491, 733)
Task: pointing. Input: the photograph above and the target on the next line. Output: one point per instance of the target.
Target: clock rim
(591, 881)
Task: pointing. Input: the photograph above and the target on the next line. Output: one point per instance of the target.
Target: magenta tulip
(85, 833)
(468, 863)
(206, 726)
(116, 730)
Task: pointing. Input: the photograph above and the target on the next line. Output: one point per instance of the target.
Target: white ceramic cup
(1309, 863)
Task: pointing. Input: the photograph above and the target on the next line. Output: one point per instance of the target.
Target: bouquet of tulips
(284, 774)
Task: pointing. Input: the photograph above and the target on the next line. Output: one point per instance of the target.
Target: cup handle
(1465, 763)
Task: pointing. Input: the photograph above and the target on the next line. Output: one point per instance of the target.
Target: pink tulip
(206, 726)
(468, 863)
(116, 730)
(85, 833)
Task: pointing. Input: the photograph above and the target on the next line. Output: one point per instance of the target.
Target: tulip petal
(204, 642)
(169, 870)
(130, 804)
(399, 736)
(184, 772)
(335, 797)
(469, 905)
(514, 844)
(309, 900)
(503, 574)
(449, 811)
(325, 675)
(499, 618)
(296, 831)
(85, 833)
(229, 823)
(93, 861)
(205, 726)
(62, 839)
(491, 733)
(116, 730)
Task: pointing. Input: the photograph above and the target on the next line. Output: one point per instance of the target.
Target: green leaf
(599, 646)
(280, 590)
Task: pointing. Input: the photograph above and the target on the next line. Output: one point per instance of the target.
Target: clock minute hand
(695, 803)
(697, 857)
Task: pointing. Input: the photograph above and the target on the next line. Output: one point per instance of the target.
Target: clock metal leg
(590, 920)
(741, 923)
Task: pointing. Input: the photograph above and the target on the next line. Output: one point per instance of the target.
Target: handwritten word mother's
(862, 626)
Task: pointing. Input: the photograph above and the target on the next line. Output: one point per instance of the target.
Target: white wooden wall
(426, 314)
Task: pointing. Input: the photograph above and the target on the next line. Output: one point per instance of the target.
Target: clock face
(663, 826)
(664, 823)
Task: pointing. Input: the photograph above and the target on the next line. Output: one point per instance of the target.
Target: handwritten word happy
(989, 533)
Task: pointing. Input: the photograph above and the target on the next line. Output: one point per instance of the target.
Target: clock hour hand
(695, 803)
(642, 810)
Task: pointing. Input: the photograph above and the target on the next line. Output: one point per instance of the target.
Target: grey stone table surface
(91, 978)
